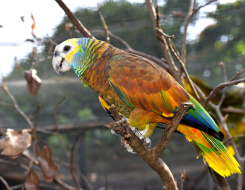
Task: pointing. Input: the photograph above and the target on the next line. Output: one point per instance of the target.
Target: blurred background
(28, 34)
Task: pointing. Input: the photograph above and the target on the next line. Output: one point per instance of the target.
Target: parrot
(146, 94)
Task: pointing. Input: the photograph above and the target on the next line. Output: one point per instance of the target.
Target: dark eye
(67, 48)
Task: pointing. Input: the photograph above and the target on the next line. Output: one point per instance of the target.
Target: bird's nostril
(55, 53)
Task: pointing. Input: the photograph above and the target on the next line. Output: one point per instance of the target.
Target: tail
(213, 151)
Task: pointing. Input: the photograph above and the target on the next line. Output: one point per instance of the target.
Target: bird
(146, 94)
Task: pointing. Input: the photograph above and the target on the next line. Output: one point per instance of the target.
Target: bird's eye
(67, 48)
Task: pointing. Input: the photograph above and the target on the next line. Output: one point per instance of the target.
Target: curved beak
(57, 62)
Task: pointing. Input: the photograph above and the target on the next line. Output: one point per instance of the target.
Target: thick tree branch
(74, 20)
(171, 127)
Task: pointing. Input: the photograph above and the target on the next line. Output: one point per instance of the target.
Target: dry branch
(74, 20)
(105, 26)
(71, 162)
(5, 183)
(171, 127)
(219, 87)
(5, 89)
(231, 109)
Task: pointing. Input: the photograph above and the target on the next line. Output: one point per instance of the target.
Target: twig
(171, 127)
(120, 39)
(5, 104)
(231, 109)
(225, 80)
(71, 162)
(16, 186)
(219, 87)
(5, 183)
(35, 147)
(198, 8)
(56, 127)
(190, 14)
(61, 183)
(237, 75)
(173, 70)
(188, 19)
(182, 180)
(5, 88)
(184, 69)
(105, 26)
(83, 177)
(74, 20)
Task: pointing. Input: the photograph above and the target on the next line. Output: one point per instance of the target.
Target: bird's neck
(95, 49)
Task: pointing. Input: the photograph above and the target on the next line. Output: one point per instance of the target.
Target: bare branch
(56, 127)
(182, 180)
(35, 147)
(105, 26)
(171, 127)
(71, 162)
(219, 87)
(198, 8)
(237, 75)
(5, 183)
(231, 109)
(190, 14)
(184, 69)
(188, 19)
(225, 80)
(152, 12)
(74, 20)
(5, 88)
(5, 104)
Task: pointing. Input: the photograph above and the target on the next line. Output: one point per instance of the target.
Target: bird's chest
(96, 78)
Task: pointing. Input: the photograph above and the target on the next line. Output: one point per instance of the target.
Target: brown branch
(74, 20)
(171, 127)
(237, 75)
(61, 183)
(219, 87)
(5, 104)
(105, 26)
(198, 8)
(184, 69)
(151, 157)
(225, 80)
(231, 109)
(173, 70)
(188, 19)
(182, 180)
(35, 147)
(5, 183)
(71, 162)
(56, 128)
(5, 89)
(16, 186)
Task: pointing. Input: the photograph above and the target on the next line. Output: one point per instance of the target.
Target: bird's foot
(113, 132)
(141, 135)
(128, 148)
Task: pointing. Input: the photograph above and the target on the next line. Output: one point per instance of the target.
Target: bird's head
(68, 54)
